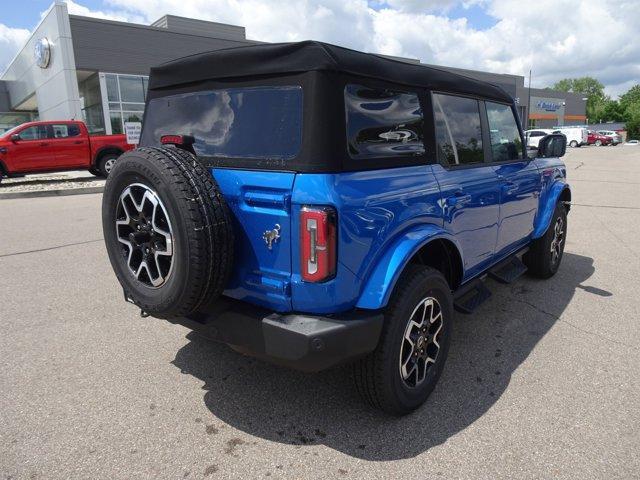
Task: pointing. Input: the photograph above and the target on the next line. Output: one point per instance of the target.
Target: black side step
(471, 296)
(509, 270)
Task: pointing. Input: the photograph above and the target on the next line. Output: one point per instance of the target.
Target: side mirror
(553, 145)
(15, 137)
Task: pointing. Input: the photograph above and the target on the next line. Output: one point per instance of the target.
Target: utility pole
(529, 102)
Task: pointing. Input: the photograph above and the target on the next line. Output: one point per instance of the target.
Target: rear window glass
(383, 123)
(251, 122)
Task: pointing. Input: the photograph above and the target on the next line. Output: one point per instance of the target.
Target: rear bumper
(304, 342)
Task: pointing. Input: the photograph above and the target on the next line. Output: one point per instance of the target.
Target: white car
(534, 136)
(632, 143)
(615, 137)
(576, 136)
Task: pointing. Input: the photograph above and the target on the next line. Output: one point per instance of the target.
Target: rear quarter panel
(374, 209)
(99, 143)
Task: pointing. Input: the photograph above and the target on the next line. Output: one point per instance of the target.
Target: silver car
(615, 137)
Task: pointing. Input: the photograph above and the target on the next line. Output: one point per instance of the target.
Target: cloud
(11, 40)
(554, 39)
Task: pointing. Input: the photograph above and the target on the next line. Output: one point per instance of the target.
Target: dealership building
(75, 67)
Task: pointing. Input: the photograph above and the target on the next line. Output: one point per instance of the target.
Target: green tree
(631, 97)
(632, 117)
(591, 88)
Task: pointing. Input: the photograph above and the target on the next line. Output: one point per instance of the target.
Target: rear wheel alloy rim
(108, 165)
(421, 342)
(144, 230)
(558, 239)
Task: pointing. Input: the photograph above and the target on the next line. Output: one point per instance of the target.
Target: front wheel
(400, 374)
(545, 253)
(598, 143)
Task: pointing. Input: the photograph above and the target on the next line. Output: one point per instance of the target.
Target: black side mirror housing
(15, 137)
(552, 146)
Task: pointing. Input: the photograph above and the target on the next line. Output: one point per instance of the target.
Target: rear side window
(249, 122)
(383, 123)
(458, 130)
(506, 144)
(65, 130)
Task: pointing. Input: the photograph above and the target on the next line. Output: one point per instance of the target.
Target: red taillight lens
(318, 243)
(185, 140)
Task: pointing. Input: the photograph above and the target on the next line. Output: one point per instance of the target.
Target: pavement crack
(561, 320)
(50, 248)
(603, 206)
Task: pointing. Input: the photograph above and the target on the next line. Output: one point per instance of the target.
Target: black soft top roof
(285, 58)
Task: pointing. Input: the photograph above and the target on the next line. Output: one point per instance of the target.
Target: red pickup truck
(37, 147)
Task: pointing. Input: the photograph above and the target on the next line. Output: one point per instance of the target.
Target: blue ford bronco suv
(313, 205)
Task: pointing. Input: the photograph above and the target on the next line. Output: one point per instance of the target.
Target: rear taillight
(317, 243)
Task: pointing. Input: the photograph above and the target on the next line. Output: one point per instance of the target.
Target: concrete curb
(51, 193)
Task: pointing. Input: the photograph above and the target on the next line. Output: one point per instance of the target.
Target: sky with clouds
(554, 38)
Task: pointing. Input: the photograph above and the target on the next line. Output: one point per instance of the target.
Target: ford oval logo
(42, 52)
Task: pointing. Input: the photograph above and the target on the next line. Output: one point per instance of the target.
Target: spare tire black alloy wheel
(167, 230)
(144, 229)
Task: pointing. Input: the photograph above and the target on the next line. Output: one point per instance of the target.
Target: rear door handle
(78, 142)
(44, 144)
(458, 199)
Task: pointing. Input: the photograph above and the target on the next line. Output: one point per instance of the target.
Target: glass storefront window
(125, 99)
(131, 89)
(113, 93)
(116, 123)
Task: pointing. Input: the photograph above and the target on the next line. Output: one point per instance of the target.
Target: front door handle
(44, 144)
(458, 199)
(509, 188)
(78, 142)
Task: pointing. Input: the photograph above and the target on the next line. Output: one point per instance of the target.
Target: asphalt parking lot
(543, 382)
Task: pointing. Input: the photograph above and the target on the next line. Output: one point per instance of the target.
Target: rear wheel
(400, 374)
(545, 253)
(573, 144)
(167, 231)
(598, 143)
(106, 164)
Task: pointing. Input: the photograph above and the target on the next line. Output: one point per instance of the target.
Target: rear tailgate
(260, 203)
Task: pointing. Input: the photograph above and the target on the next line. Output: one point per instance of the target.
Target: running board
(509, 270)
(471, 296)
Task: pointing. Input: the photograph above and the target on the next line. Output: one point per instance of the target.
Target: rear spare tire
(167, 231)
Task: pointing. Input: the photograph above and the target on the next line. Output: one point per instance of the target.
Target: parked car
(37, 147)
(576, 136)
(535, 135)
(616, 138)
(324, 218)
(632, 143)
(597, 139)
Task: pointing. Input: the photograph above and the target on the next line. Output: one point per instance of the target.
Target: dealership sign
(548, 106)
(132, 131)
(42, 52)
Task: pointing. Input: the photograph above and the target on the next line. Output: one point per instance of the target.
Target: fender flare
(543, 220)
(384, 276)
(3, 168)
(104, 150)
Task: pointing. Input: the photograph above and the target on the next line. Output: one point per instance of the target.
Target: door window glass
(38, 132)
(458, 130)
(383, 123)
(506, 143)
(65, 130)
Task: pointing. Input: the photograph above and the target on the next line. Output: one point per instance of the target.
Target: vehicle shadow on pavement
(285, 406)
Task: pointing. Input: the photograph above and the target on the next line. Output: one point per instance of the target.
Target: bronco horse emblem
(271, 236)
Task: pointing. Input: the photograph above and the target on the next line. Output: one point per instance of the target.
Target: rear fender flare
(104, 151)
(383, 278)
(546, 210)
